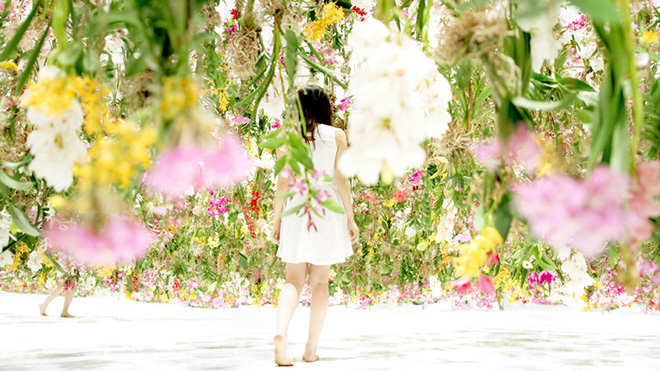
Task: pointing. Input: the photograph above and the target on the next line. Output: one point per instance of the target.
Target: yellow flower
(649, 37)
(179, 94)
(51, 96)
(330, 14)
(423, 245)
(9, 65)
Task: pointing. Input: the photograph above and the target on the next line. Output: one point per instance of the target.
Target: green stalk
(638, 103)
(326, 71)
(271, 72)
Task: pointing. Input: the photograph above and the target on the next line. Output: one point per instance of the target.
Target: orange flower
(223, 259)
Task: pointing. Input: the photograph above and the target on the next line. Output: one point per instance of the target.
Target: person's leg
(56, 291)
(68, 296)
(318, 278)
(286, 306)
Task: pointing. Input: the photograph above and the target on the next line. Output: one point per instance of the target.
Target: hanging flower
(5, 225)
(35, 261)
(543, 43)
(120, 241)
(6, 258)
(400, 99)
(189, 167)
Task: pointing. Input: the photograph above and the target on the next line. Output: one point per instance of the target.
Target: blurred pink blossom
(484, 284)
(524, 149)
(487, 153)
(187, 167)
(583, 213)
(119, 241)
(462, 285)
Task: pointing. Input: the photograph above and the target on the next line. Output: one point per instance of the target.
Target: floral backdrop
(502, 152)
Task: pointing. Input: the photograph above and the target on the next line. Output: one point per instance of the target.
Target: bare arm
(345, 188)
(278, 204)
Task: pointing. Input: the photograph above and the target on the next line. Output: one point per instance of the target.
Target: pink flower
(416, 177)
(401, 195)
(523, 148)
(240, 120)
(176, 171)
(276, 124)
(186, 167)
(484, 284)
(487, 153)
(462, 285)
(583, 213)
(343, 106)
(298, 185)
(119, 241)
(228, 165)
(322, 195)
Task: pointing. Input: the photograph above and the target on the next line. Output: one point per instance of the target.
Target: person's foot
(282, 357)
(42, 310)
(312, 358)
(67, 315)
(310, 355)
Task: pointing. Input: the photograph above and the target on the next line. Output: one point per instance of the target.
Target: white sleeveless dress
(331, 242)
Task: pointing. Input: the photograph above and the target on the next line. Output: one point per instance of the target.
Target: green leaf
(600, 10)
(332, 205)
(292, 210)
(242, 260)
(303, 158)
(286, 195)
(542, 106)
(31, 63)
(22, 221)
(281, 162)
(291, 55)
(11, 45)
(503, 218)
(575, 84)
(272, 143)
(13, 183)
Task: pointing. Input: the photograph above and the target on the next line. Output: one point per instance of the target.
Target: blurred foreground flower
(589, 213)
(120, 240)
(187, 166)
(57, 116)
(400, 99)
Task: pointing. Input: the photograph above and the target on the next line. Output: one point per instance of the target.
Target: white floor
(119, 334)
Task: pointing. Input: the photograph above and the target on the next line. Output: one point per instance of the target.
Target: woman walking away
(301, 247)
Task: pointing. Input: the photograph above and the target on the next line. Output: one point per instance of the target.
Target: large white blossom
(575, 268)
(5, 224)
(35, 261)
(400, 99)
(54, 143)
(544, 45)
(6, 258)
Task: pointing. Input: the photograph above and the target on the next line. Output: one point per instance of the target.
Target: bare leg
(318, 278)
(56, 291)
(286, 306)
(68, 296)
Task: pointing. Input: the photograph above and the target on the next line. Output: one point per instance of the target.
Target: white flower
(6, 258)
(543, 43)
(527, 264)
(35, 261)
(5, 224)
(410, 231)
(266, 161)
(55, 145)
(445, 231)
(400, 99)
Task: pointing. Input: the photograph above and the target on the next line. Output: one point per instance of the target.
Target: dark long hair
(316, 108)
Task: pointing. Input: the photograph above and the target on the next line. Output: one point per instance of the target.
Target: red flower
(235, 14)
(401, 195)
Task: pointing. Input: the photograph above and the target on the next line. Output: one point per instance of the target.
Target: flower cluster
(400, 99)
(587, 214)
(5, 225)
(330, 14)
(120, 241)
(477, 252)
(57, 116)
(218, 206)
(189, 167)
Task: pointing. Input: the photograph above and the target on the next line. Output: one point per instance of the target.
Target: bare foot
(42, 310)
(67, 315)
(282, 357)
(312, 358)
